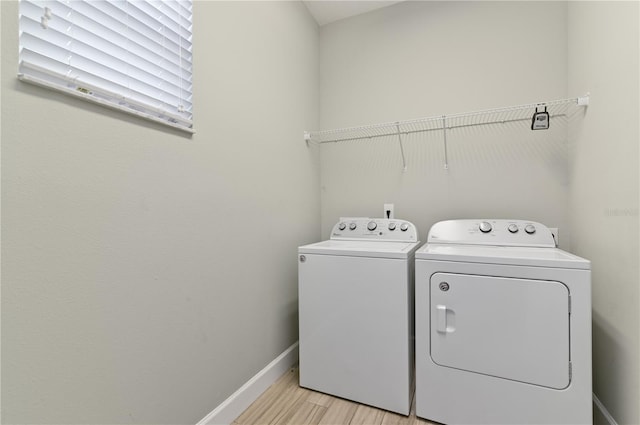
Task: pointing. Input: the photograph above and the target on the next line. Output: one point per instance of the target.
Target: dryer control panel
(379, 229)
(497, 232)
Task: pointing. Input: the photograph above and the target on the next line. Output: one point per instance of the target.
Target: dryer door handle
(441, 318)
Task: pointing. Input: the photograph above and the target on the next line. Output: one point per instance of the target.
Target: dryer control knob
(513, 228)
(372, 225)
(352, 226)
(485, 227)
(530, 229)
(342, 226)
(392, 226)
(404, 227)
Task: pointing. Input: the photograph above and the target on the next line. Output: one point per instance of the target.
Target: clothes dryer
(356, 312)
(503, 326)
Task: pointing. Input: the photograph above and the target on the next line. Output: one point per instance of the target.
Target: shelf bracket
(583, 100)
(404, 162)
(307, 137)
(444, 132)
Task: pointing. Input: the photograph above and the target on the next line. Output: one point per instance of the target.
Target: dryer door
(516, 329)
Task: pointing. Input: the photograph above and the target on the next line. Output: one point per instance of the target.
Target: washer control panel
(383, 229)
(492, 232)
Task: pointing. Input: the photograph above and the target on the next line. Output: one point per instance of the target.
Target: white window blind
(131, 55)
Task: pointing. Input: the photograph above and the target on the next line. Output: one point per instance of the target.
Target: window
(132, 55)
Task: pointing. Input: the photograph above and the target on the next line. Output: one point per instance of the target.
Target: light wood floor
(285, 402)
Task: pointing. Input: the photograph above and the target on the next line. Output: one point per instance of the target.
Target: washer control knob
(530, 229)
(485, 227)
(404, 227)
(342, 226)
(392, 226)
(352, 226)
(513, 228)
(372, 225)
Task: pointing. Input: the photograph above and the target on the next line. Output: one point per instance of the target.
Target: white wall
(147, 275)
(603, 46)
(126, 296)
(417, 59)
(430, 58)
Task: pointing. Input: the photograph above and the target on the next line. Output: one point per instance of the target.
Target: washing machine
(356, 312)
(503, 326)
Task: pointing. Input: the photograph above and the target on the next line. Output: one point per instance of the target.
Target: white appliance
(503, 326)
(356, 312)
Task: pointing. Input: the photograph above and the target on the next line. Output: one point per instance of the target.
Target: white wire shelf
(443, 123)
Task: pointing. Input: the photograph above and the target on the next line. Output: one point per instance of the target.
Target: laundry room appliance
(503, 326)
(356, 312)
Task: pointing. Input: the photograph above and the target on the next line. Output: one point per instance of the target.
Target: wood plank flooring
(285, 402)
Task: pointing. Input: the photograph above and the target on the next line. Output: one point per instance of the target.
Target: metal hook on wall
(404, 162)
(444, 132)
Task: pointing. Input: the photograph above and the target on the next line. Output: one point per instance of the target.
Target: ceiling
(327, 11)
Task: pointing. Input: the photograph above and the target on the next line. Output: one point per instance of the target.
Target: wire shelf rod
(407, 132)
(391, 128)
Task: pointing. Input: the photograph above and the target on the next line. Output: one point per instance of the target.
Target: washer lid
(360, 248)
(510, 255)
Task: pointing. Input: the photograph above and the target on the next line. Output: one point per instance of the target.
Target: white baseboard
(237, 402)
(604, 410)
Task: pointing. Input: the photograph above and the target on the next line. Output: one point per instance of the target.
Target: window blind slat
(118, 57)
(141, 32)
(101, 51)
(133, 53)
(142, 37)
(160, 117)
(101, 89)
(183, 16)
(83, 81)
